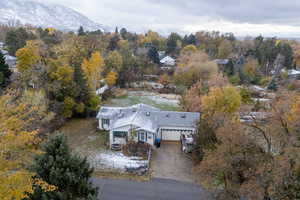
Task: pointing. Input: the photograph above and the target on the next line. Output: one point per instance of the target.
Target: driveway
(160, 189)
(170, 163)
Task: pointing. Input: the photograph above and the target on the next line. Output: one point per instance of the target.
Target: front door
(142, 136)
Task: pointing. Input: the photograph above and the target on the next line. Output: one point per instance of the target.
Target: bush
(264, 81)
(235, 80)
(293, 85)
(136, 149)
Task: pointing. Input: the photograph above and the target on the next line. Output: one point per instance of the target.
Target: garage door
(170, 135)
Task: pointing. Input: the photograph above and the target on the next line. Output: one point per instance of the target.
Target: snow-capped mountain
(44, 15)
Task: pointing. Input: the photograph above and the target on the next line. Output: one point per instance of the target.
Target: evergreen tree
(124, 33)
(273, 85)
(68, 172)
(153, 55)
(113, 43)
(4, 71)
(81, 31)
(16, 39)
(82, 88)
(172, 42)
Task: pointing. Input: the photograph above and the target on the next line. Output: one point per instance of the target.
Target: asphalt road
(156, 189)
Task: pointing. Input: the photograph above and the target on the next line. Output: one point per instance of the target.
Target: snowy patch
(116, 161)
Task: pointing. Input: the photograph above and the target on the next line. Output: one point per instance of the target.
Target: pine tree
(153, 55)
(4, 71)
(81, 31)
(272, 85)
(68, 172)
(81, 83)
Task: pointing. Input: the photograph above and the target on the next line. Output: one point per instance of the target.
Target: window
(105, 122)
(120, 134)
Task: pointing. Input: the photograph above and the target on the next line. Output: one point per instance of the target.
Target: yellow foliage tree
(189, 49)
(18, 141)
(92, 69)
(111, 78)
(60, 71)
(27, 56)
(226, 100)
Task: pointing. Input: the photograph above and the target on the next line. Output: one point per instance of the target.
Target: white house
(168, 61)
(143, 123)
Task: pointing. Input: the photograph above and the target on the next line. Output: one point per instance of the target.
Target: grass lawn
(146, 98)
(83, 135)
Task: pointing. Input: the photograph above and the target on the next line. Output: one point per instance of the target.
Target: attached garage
(170, 134)
(173, 134)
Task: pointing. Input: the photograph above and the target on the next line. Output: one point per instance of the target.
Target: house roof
(168, 60)
(293, 72)
(147, 117)
(222, 61)
(102, 90)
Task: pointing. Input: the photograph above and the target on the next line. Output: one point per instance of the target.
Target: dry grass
(83, 135)
(126, 176)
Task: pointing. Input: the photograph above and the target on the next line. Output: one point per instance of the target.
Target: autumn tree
(225, 49)
(111, 78)
(251, 71)
(92, 69)
(164, 80)
(69, 173)
(194, 67)
(114, 61)
(21, 118)
(237, 165)
(27, 56)
(189, 49)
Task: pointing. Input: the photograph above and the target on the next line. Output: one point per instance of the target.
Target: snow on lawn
(116, 161)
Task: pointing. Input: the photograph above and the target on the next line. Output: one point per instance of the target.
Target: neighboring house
(147, 84)
(101, 90)
(222, 63)
(254, 116)
(168, 63)
(143, 123)
(161, 54)
(293, 74)
(12, 62)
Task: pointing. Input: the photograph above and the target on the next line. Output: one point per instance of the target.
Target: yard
(164, 102)
(85, 139)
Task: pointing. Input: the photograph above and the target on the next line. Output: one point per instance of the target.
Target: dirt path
(169, 162)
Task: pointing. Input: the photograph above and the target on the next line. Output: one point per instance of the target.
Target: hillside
(44, 15)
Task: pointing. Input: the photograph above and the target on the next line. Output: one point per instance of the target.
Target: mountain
(14, 12)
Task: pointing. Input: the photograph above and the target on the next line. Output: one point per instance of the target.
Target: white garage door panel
(170, 135)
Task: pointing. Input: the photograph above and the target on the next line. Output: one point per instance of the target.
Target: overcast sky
(242, 17)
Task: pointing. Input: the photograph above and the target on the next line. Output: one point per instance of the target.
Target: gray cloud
(250, 11)
(243, 17)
